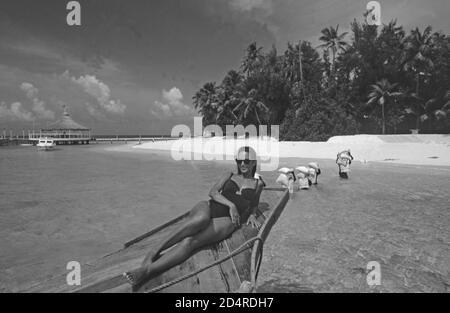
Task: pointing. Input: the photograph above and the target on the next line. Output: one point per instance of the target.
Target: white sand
(403, 149)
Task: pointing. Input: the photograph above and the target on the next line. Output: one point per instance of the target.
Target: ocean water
(78, 203)
(82, 202)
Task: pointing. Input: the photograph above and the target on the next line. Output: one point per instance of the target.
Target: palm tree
(230, 93)
(252, 58)
(382, 93)
(206, 101)
(250, 105)
(417, 56)
(436, 108)
(417, 50)
(334, 42)
(390, 41)
(291, 63)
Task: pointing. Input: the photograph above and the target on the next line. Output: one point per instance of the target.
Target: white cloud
(172, 104)
(15, 112)
(99, 90)
(161, 108)
(38, 105)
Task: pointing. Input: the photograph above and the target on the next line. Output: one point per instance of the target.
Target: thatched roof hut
(66, 123)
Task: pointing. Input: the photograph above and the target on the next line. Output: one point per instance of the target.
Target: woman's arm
(254, 205)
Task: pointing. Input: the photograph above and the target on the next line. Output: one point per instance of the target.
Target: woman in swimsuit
(233, 197)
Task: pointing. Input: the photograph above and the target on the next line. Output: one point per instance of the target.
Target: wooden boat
(229, 266)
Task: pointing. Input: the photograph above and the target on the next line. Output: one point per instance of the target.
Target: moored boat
(46, 144)
(231, 265)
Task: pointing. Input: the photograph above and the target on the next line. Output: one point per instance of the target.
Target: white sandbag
(285, 170)
(300, 175)
(314, 165)
(303, 169)
(303, 183)
(283, 180)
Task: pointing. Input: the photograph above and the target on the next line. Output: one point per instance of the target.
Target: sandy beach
(395, 214)
(427, 149)
(394, 210)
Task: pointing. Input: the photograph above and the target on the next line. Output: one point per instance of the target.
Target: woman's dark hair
(251, 156)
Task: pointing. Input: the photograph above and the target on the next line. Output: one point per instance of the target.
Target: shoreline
(431, 150)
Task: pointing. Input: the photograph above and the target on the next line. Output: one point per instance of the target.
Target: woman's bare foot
(135, 277)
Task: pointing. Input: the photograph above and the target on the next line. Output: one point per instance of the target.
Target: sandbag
(314, 165)
(285, 170)
(303, 169)
(283, 180)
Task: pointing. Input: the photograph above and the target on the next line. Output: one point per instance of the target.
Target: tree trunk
(332, 64)
(418, 99)
(383, 120)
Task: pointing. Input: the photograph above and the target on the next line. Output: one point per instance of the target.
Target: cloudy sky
(133, 66)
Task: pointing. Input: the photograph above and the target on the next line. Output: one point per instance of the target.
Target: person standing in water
(233, 197)
(343, 160)
(314, 172)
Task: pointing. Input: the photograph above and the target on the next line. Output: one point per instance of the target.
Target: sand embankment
(403, 149)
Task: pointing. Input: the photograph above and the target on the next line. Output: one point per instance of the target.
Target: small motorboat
(46, 144)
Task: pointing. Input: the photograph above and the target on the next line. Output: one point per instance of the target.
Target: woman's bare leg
(198, 220)
(217, 230)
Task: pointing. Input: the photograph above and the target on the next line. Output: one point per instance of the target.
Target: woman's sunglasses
(246, 161)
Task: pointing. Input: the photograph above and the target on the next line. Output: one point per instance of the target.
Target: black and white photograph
(232, 148)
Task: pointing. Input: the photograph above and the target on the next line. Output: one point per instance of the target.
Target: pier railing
(6, 141)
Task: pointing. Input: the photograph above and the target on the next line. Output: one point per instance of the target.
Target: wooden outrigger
(231, 265)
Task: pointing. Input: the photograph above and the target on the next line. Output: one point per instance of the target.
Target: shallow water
(82, 202)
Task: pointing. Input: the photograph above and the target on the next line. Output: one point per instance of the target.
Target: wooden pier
(11, 141)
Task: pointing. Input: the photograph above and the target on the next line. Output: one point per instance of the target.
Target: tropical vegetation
(372, 80)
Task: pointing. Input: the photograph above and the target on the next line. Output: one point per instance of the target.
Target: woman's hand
(253, 221)
(234, 214)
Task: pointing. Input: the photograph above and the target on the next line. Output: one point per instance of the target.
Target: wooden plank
(242, 260)
(209, 279)
(188, 285)
(228, 270)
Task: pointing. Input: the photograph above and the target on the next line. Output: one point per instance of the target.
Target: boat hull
(208, 270)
